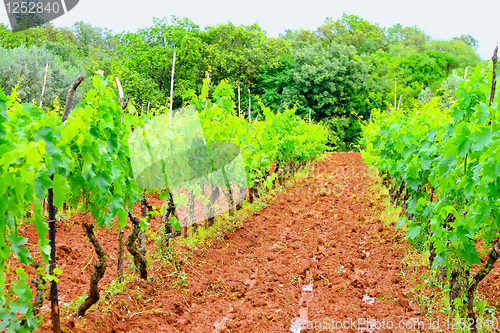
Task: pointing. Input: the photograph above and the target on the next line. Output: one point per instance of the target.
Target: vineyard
(83, 160)
(219, 180)
(437, 162)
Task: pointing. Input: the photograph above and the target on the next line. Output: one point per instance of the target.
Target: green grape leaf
(42, 184)
(470, 254)
(414, 232)
(122, 218)
(61, 190)
(16, 245)
(174, 222)
(481, 138)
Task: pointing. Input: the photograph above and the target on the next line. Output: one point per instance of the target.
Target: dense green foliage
(23, 165)
(344, 69)
(25, 67)
(90, 159)
(87, 157)
(444, 165)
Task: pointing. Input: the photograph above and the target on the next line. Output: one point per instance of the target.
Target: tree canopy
(344, 69)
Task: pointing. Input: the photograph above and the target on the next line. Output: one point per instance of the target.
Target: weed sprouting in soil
(181, 280)
(70, 308)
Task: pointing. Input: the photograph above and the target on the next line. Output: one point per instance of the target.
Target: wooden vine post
(43, 86)
(166, 201)
(255, 121)
(54, 300)
(69, 99)
(239, 100)
(208, 80)
(495, 251)
(121, 232)
(249, 107)
(395, 92)
(494, 75)
(172, 85)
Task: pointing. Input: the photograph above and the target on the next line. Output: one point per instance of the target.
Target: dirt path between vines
(317, 255)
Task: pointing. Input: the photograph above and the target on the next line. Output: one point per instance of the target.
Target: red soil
(318, 252)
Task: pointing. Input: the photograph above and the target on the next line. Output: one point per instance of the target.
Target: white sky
(439, 19)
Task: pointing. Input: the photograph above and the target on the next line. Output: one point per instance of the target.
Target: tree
(145, 60)
(236, 53)
(10, 39)
(60, 41)
(240, 53)
(274, 80)
(352, 30)
(427, 68)
(383, 68)
(462, 52)
(302, 35)
(467, 40)
(329, 79)
(407, 36)
(92, 40)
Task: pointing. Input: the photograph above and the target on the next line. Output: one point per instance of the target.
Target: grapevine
(86, 160)
(444, 167)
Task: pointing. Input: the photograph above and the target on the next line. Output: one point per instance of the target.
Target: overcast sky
(439, 19)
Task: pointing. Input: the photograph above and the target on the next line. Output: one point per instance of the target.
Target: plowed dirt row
(317, 255)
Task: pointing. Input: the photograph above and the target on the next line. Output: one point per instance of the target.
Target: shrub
(26, 67)
(343, 133)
